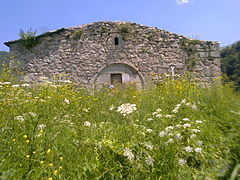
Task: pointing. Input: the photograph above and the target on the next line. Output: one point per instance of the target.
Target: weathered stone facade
(97, 53)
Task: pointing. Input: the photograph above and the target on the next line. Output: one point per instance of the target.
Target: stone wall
(84, 52)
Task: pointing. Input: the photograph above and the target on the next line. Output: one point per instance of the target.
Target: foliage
(124, 30)
(29, 38)
(230, 62)
(4, 56)
(176, 130)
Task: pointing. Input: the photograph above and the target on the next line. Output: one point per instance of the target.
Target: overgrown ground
(176, 130)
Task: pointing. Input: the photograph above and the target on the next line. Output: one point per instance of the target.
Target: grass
(61, 131)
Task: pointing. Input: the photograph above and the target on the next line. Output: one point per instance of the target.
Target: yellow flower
(27, 141)
(60, 167)
(34, 152)
(55, 172)
(13, 140)
(48, 151)
(25, 136)
(51, 164)
(41, 162)
(61, 158)
(27, 156)
(50, 178)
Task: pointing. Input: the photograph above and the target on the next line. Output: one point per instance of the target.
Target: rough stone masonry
(110, 52)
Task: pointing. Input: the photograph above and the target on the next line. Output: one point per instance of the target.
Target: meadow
(177, 130)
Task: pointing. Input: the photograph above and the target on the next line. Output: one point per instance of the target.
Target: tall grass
(178, 130)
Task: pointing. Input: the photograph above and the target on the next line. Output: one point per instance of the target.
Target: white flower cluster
(87, 123)
(128, 153)
(157, 113)
(188, 104)
(127, 108)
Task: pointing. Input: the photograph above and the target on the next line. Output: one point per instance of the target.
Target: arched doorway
(119, 73)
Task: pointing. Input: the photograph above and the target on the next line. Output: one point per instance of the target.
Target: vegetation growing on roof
(29, 38)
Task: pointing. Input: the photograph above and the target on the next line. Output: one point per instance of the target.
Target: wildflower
(60, 167)
(194, 107)
(50, 164)
(178, 126)
(27, 156)
(175, 110)
(170, 141)
(13, 140)
(178, 136)
(149, 160)
(125, 109)
(19, 118)
(87, 123)
(41, 162)
(27, 141)
(33, 114)
(55, 172)
(199, 143)
(169, 128)
(198, 122)
(25, 85)
(187, 125)
(66, 101)
(188, 149)
(25, 136)
(170, 134)
(183, 101)
(149, 119)
(50, 178)
(193, 136)
(158, 115)
(198, 150)
(178, 105)
(48, 151)
(128, 153)
(181, 162)
(61, 158)
(168, 116)
(188, 104)
(41, 127)
(6, 83)
(34, 152)
(162, 133)
(149, 130)
(111, 107)
(159, 110)
(85, 110)
(149, 146)
(15, 85)
(185, 119)
(195, 130)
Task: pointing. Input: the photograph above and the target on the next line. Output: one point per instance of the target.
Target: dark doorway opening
(116, 78)
(116, 41)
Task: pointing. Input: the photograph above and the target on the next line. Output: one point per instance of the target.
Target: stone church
(111, 52)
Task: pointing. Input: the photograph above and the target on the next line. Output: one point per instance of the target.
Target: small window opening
(116, 41)
(116, 78)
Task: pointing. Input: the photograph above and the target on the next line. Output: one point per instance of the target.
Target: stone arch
(129, 74)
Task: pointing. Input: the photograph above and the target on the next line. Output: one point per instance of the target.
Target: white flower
(87, 123)
(181, 162)
(162, 133)
(41, 127)
(187, 125)
(85, 110)
(188, 149)
(149, 119)
(178, 105)
(178, 126)
(170, 141)
(111, 107)
(195, 130)
(198, 150)
(193, 136)
(159, 110)
(128, 153)
(168, 116)
(175, 110)
(66, 101)
(169, 128)
(170, 134)
(158, 115)
(185, 119)
(183, 101)
(149, 146)
(188, 104)
(178, 136)
(198, 122)
(149, 160)
(5, 83)
(125, 109)
(149, 130)
(33, 114)
(15, 85)
(199, 143)
(19, 118)
(25, 85)
(194, 107)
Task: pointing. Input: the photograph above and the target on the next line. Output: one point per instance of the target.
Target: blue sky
(217, 20)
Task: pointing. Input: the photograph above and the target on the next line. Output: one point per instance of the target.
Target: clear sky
(217, 20)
